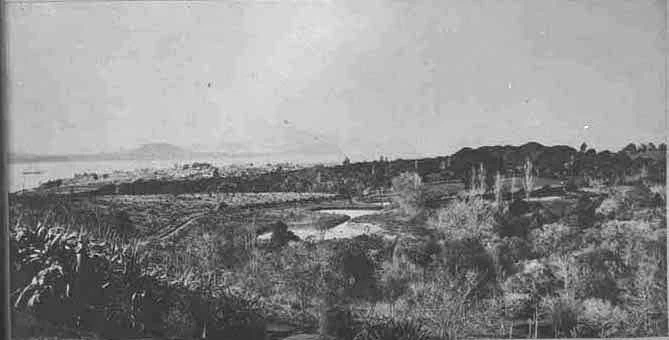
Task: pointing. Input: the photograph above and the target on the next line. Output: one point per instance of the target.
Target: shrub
(446, 304)
(422, 252)
(507, 252)
(469, 255)
(84, 284)
(524, 291)
(281, 235)
(409, 193)
(394, 280)
(237, 316)
(335, 321)
(598, 318)
(582, 213)
(552, 238)
(472, 218)
(351, 271)
(391, 329)
(301, 270)
(598, 271)
(609, 207)
(660, 192)
(563, 312)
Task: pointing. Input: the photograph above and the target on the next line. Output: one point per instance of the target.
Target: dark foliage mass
(348, 179)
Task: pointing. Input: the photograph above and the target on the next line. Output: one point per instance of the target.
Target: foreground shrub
(447, 305)
(74, 282)
(391, 329)
(395, 279)
(79, 283)
(237, 316)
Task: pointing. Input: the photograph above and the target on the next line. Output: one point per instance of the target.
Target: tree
(301, 270)
(524, 291)
(498, 188)
(347, 161)
(346, 187)
(409, 196)
(482, 180)
(529, 178)
(562, 311)
(599, 318)
(584, 147)
(478, 185)
(662, 147)
(630, 148)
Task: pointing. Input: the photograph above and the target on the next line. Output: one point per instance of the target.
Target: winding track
(182, 226)
(194, 217)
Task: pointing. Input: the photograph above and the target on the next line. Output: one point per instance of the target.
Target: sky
(367, 78)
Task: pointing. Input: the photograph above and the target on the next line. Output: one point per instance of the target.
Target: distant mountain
(151, 151)
(29, 158)
(301, 149)
(159, 151)
(279, 139)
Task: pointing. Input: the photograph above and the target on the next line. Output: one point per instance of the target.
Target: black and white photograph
(335, 169)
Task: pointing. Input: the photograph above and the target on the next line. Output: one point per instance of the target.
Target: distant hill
(157, 151)
(279, 139)
(151, 151)
(300, 150)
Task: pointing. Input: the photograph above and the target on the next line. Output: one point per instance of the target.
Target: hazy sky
(372, 77)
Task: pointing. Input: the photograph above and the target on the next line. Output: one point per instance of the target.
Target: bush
(447, 304)
(563, 312)
(237, 316)
(525, 290)
(472, 218)
(391, 329)
(395, 281)
(583, 212)
(281, 235)
(598, 272)
(509, 251)
(409, 193)
(422, 252)
(552, 239)
(598, 318)
(301, 269)
(469, 255)
(335, 321)
(352, 271)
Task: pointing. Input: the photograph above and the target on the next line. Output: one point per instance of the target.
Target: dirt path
(196, 216)
(182, 226)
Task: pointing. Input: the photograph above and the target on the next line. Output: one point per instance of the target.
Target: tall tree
(630, 148)
(584, 147)
(651, 147)
(529, 177)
